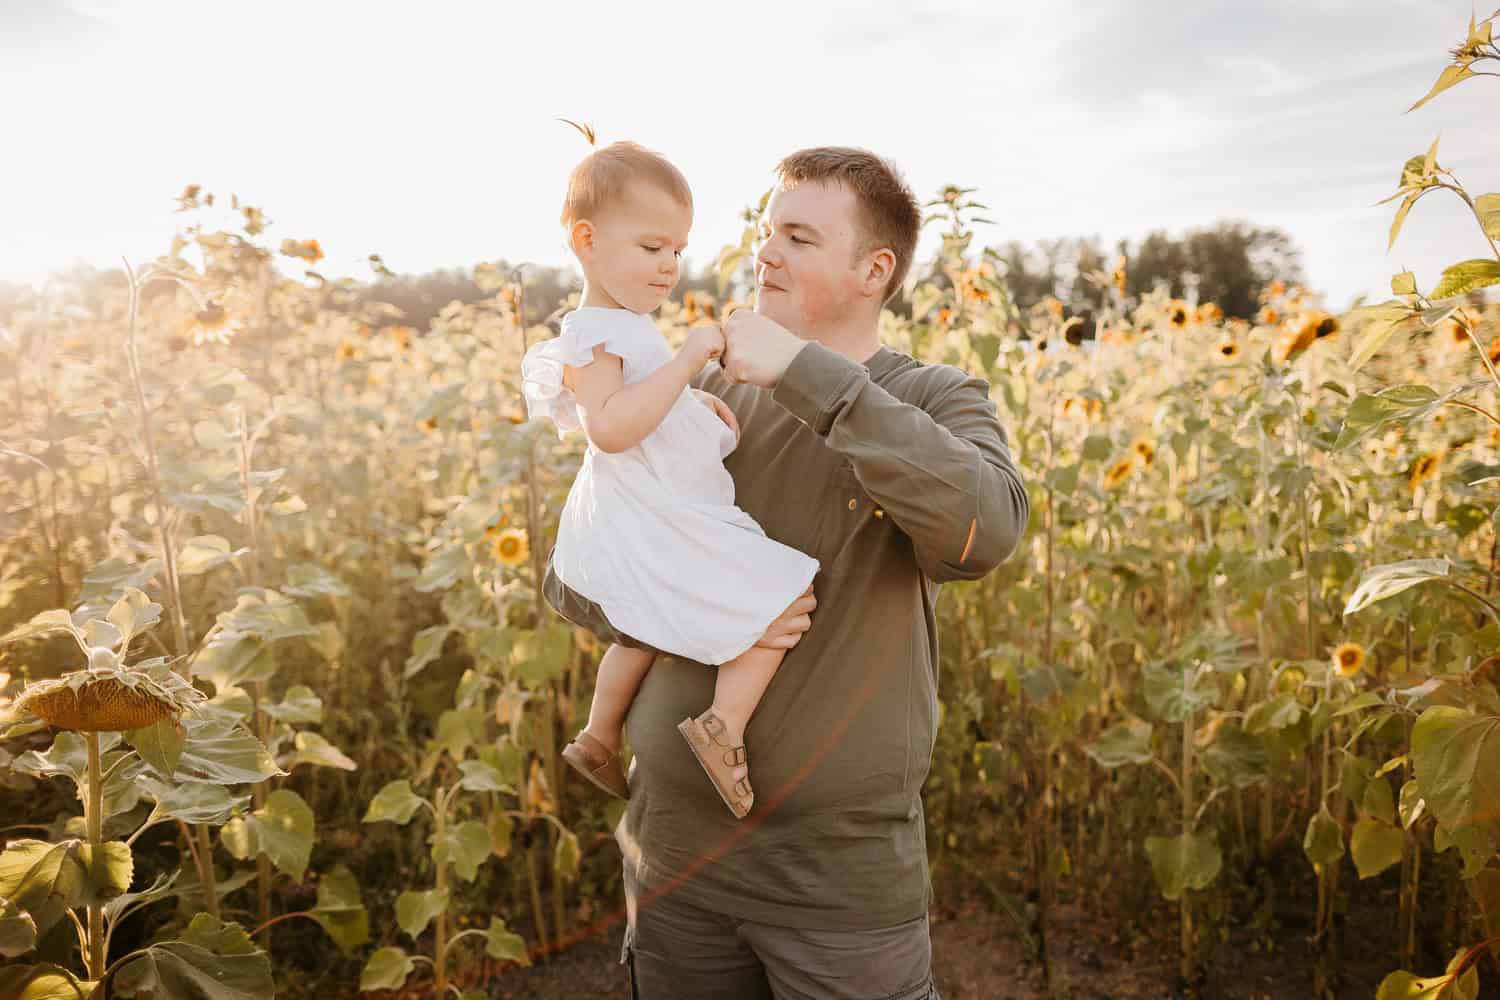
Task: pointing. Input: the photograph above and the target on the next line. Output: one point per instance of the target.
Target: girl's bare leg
(620, 674)
(738, 690)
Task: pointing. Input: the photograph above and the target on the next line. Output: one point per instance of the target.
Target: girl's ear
(581, 236)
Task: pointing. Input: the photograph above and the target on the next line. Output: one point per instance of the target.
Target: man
(896, 476)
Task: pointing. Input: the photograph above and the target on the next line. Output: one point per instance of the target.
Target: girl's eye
(652, 249)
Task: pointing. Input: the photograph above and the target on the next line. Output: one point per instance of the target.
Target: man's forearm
(942, 471)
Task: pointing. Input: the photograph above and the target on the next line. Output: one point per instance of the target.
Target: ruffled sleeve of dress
(542, 367)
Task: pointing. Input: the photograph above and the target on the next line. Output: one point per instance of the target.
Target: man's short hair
(602, 177)
(889, 214)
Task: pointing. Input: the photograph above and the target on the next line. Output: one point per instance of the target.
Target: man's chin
(774, 307)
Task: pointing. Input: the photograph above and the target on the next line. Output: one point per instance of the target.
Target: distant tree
(1228, 263)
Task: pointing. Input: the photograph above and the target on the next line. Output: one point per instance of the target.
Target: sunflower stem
(93, 815)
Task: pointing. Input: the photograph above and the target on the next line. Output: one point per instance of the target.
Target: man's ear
(581, 236)
(879, 267)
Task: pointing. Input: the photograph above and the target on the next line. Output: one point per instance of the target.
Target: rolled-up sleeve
(942, 471)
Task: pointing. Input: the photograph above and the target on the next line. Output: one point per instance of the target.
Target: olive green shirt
(896, 476)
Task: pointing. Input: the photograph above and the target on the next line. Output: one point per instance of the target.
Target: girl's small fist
(704, 343)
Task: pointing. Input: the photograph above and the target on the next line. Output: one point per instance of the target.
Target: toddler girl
(650, 531)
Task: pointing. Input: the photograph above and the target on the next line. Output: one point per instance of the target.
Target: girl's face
(631, 251)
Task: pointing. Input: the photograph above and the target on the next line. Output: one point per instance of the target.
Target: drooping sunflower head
(511, 547)
(1348, 659)
(1118, 473)
(1424, 468)
(113, 699)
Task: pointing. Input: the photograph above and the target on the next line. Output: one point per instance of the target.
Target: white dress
(652, 534)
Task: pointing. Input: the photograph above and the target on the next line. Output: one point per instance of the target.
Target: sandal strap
(735, 755)
(742, 788)
(712, 725)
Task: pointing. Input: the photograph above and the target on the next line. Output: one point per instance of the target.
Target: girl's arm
(616, 416)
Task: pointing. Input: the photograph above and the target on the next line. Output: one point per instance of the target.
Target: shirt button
(879, 512)
(852, 503)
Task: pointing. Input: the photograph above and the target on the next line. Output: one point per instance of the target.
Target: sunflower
(429, 425)
(944, 316)
(211, 323)
(1454, 331)
(1144, 450)
(689, 307)
(1117, 277)
(1118, 473)
(1268, 316)
(347, 351)
(1228, 350)
(1209, 312)
(1177, 313)
(1348, 658)
(1275, 288)
(402, 336)
(1295, 339)
(511, 547)
(1425, 467)
(1324, 325)
(1054, 307)
(109, 700)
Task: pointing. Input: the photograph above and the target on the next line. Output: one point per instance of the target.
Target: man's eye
(796, 240)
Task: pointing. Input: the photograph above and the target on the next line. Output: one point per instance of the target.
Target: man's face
(808, 271)
(638, 244)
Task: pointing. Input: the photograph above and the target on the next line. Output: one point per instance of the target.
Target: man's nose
(766, 256)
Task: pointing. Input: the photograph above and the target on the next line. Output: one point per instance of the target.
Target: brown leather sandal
(719, 759)
(593, 760)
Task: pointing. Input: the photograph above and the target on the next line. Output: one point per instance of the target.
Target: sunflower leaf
(1467, 276)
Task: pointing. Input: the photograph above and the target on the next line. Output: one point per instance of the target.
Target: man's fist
(757, 350)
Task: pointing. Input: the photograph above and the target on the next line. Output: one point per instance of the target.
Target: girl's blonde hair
(602, 176)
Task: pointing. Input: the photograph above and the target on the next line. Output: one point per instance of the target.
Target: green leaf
(426, 647)
(222, 754)
(1390, 579)
(1378, 802)
(1323, 843)
(481, 776)
(1412, 806)
(1380, 323)
(1187, 861)
(1280, 712)
(1466, 276)
(310, 748)
(1404, 283)
(443, 570)
(17, 930)
(1456, 759)
(1175, 691)
(565, 856)
(133, 613)
(501, 827)
(395, 802)
(282, 830)
(499, 942)
(299, 706)
(1370, 411)
(1127, 742)
(46, 880)
(1450, 76)
(387, 969)
(211, 961)
(1375, 846)
(1401, 213)
(205, 552)
(191, 802)
(340, 910)
(1488, 208)
(159, 745)
(465, 846)
(540, 656)
(43, 982)
(415, 910)
(458, 729)
(1236, 758)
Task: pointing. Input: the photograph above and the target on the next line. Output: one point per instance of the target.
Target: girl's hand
(704, 343)
(786, 631)
(720, 407)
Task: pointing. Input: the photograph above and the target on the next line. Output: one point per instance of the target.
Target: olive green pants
(676, 950)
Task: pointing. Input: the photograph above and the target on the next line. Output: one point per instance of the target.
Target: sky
(428, 132)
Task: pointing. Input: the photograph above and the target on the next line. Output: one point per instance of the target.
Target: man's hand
(786, 631)
(720, 407)
(757, 349)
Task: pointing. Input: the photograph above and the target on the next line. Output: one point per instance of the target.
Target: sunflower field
(281, 708)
